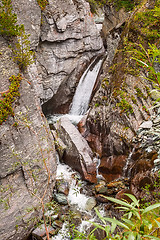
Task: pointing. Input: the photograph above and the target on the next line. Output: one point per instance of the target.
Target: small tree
(23, 56)
(8, 20)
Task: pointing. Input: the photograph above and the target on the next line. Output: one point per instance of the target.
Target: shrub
(8, 98)
(42, 4)
(8, 20)
(22, 54)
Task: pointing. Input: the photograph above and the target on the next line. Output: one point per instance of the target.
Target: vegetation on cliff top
(136, 56)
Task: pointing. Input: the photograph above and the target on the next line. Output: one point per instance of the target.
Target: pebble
(60, 198)
(146, 124)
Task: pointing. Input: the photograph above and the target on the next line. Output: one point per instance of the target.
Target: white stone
(146, 124)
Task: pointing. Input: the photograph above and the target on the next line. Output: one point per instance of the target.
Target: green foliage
(8, 98)
(23, 56)
(136, 223)
(8, 20)
(42, 4)
(128, 5)
(146, 58)
(149, 22)
(8, 27)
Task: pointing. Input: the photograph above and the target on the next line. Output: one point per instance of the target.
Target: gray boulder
(78, 154)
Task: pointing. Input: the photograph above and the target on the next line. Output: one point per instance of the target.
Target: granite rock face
(113, 19)
(27, 160)
(65, 38)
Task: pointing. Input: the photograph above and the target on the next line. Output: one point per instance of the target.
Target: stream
(79, 197)
(75, 197)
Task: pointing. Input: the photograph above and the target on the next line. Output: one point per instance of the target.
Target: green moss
(125, 106)
(139, 93)
(148, 91)
(145, 109)
(134, 100)
(8, 98)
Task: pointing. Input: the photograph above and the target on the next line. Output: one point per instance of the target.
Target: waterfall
(127, 168)
(85, 87)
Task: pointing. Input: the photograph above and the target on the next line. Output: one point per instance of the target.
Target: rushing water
(82, 95)
(85, 87)
(75, 198)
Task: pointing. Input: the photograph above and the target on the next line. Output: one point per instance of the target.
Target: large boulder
(78, 154)
(27, 159)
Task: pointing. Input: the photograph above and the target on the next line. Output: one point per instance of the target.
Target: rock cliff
(27, 160)
(65, 39)
(122, 103)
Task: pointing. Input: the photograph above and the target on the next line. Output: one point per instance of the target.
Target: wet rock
(141, 166)
(113, 19)
(76, 217)
(101, 198)
(60, 198)
(101, 187)
(57, 224)
(90, 204)
(139, 182)
(78, 154)
(122, 195)
(40, 232)
(112, 167)
(116, 184)
(62, 186)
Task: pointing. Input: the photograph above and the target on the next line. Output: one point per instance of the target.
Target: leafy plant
(136, 224)
(147, 58)
(8, 20)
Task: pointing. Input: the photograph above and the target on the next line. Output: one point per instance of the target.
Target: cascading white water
(127, 168)
(85, 87)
